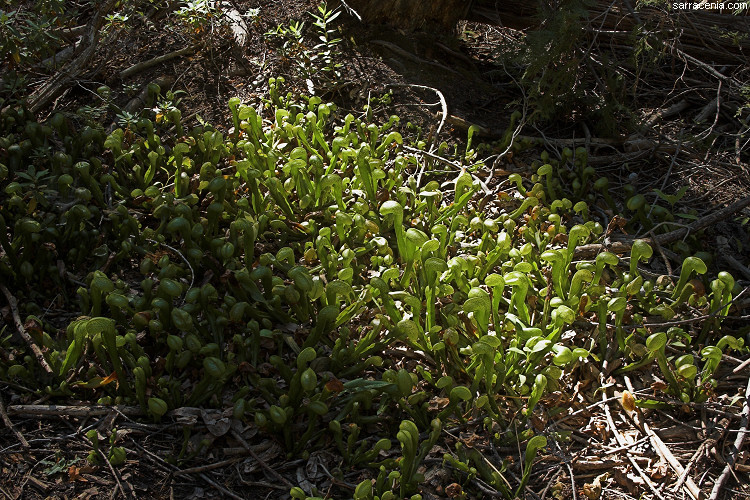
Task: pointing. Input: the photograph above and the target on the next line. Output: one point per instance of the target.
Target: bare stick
(443, 107)
(71, 411)
(219, 487)
(351, 11)
(57, 59)
(404, 53)
(109, 465)
(260, 461)
(706, 67)
(742, 366)
(621, 442)
(722, 244)
(666, 113)
(738, 442)
(10, 425)
(443, 103)
(171, 467)
(19, 326)
(208, 467)
(143, 65)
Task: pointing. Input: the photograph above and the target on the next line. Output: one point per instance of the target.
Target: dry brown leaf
(659, 386)
(454, 490)
(593, 490)
(334, 385)
(601, 429)
(658, 471)
(698, 289)
(109, 379)
(74, 474)
(437, 403)
(216, 423)
(633, 483)
(539, 422)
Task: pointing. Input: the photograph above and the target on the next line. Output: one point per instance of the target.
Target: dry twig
(71, 410)
(260, 461)
(621, 441)
(738, 442)
(448, 162)
(10, 425)
(13, 303)
(144, 65)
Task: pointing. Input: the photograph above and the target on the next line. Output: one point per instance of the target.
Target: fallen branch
(72, 410)
(622, 247)
(709, 69)
(413, 57)
(443, 105)
(10, 425)
(668, 112)
(633, 145)
(70, 33)
(60, 81)
(725, 253)
(350, 11)
(741, 366)
(112, 470)
(208, 467)
(666, 454)
(738, 442)
(57, 59)
(144, 65)
(13, 303)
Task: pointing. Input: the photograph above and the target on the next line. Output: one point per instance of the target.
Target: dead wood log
(56, 84)
(144, 65)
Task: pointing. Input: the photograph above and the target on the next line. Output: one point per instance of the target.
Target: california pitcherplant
(281, 267)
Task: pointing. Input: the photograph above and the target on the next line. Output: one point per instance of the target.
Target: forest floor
(613, 452)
